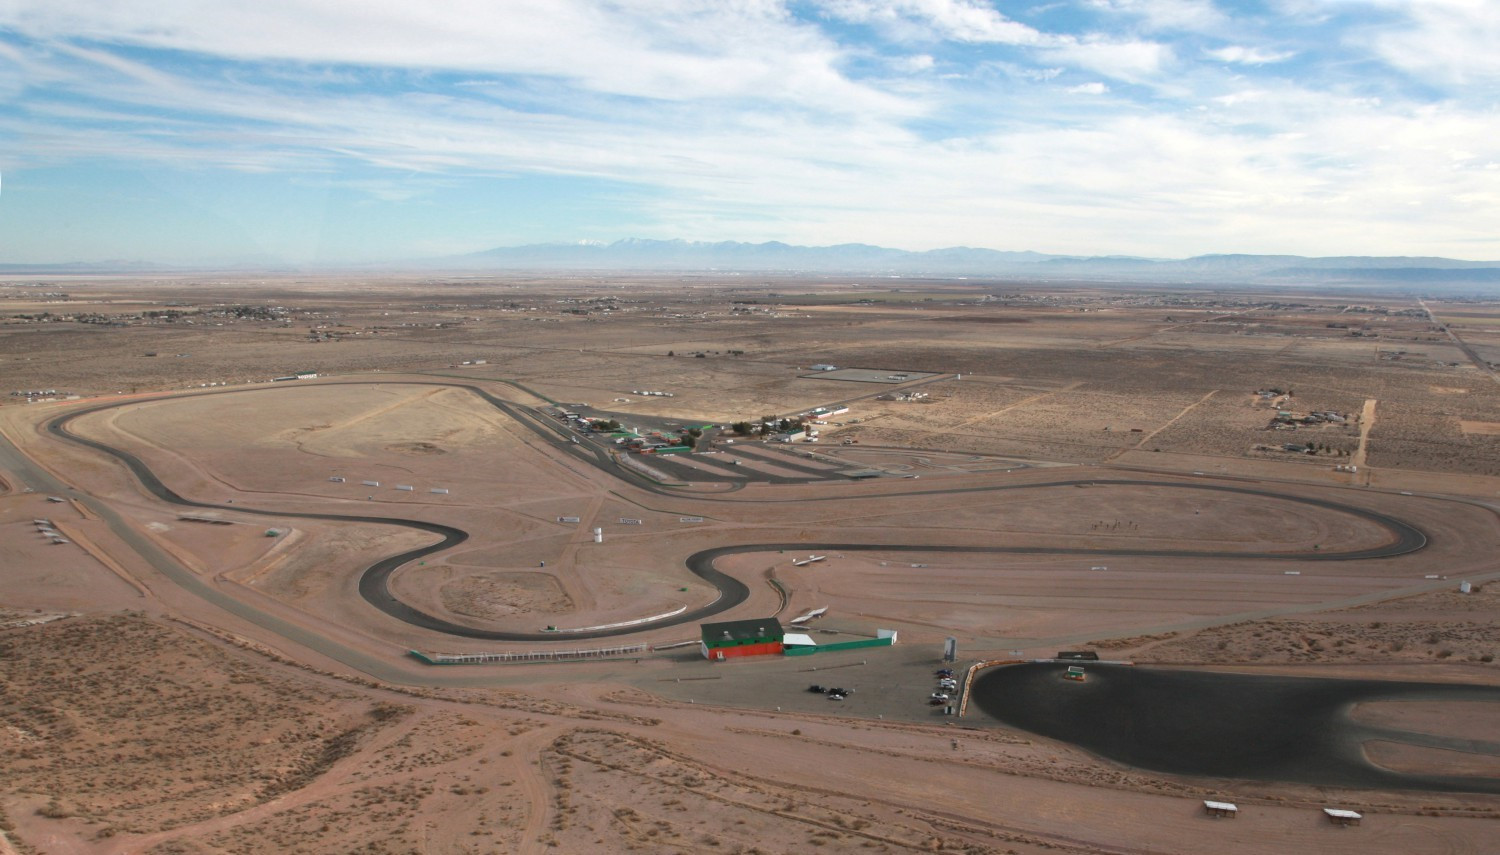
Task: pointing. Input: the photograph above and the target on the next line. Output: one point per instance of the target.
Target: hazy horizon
(643, 255)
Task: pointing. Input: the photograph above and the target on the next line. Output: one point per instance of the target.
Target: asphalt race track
(1226, 725)
(374, 588)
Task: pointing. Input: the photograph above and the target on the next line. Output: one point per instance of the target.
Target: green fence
(842, 645)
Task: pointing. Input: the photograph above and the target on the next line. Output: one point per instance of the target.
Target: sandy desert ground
(198, 668)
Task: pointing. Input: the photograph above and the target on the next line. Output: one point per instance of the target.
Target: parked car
(816, 688)
(940, 696)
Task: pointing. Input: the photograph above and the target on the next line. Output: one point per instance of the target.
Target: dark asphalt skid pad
(1221, 725)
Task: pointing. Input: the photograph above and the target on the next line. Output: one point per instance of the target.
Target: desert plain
(1268, 483)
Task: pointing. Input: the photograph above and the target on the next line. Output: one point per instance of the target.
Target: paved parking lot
(890, 682)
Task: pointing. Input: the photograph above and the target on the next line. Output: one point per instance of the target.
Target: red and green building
(735, 638)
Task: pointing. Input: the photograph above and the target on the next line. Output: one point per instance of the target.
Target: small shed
(798, 639)
(1338, 816)
(825, 367)
(1221, 810)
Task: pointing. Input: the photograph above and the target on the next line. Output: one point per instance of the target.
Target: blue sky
(334, 131)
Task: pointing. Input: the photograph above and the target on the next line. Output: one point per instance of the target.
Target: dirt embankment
(1443, 626)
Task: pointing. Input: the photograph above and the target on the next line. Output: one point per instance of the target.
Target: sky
(311, 132)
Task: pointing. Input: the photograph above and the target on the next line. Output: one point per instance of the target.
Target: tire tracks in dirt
(531, 777)
(1168, 423)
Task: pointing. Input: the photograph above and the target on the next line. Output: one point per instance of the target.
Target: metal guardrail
(963, 699)
(526, 655)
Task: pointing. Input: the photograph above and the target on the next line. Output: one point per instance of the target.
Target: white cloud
(1040, 73)
(1186, 15)
(1241, 55)
(671, 49)
(976, 22)
(915, 63)
(778, 141)
(1132, 61)
(1274, 170)
(958, 20)
(1243, 96)
(1446, 41)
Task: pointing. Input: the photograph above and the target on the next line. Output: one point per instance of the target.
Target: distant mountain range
(856, 258)
(683, 256)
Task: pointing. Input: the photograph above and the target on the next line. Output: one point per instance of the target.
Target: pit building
(731, 639)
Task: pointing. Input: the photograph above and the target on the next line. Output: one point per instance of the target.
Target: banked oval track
(374, 582)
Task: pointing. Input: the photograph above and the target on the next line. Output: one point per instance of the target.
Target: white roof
(818, 612)
(797, 639)
(1219, 805)
(1342, 814)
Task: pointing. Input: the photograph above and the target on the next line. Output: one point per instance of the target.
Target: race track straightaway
(374, 582)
